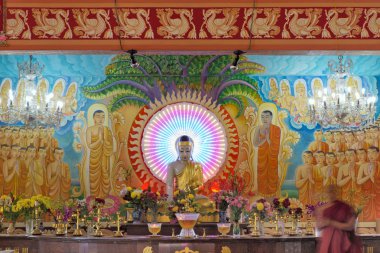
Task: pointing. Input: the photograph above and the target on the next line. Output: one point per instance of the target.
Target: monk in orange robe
(318, 144)
(267, 138)
(368, 175)
(58, 177)
(317, 186)
(100, 142)
(304, 178)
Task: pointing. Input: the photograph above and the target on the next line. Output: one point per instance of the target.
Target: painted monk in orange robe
(267, 139)
(369, 174)
(304, 178)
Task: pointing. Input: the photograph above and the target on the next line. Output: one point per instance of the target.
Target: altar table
(168, 244)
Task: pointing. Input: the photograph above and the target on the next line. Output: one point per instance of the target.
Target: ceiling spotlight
(234, 65)
(134, 63)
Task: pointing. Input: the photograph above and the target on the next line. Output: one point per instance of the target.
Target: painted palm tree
(159, 75)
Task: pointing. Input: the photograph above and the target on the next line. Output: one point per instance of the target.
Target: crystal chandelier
(27, 105)
(344, 104)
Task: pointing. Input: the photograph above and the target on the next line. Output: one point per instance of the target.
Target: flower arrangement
(27, 206)
(8, 208)
(262, 208)
(184, 202)
(132, 196)
(295, 207)
(153, 201)
(237, 204)
(281, 205)
(220, 199)
(310, 209)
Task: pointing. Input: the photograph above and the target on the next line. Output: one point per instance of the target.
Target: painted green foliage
(159, 75)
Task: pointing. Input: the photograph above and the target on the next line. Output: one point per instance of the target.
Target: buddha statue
(187, 175)
(185, 172)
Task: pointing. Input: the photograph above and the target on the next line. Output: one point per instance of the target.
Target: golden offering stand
(255, 227)
(98, 232)
(60, 226)
(309, 226)
(77, 231)
(277, 231)
(36, 230)
(118, 233)
(293, 221)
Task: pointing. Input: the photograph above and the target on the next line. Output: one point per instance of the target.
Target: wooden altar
(168, 244)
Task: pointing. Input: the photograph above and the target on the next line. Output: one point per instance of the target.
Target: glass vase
(136, 215)
(236, 229)
(222, 216)
(29, 226)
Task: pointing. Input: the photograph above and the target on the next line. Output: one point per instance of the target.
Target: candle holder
(154, 228)
(277, 231)
(60, 226)
(118, 233)
(98, 232)
(77, 231)
(36, 230)
(293, 221)
(255, 228)
(309, 225)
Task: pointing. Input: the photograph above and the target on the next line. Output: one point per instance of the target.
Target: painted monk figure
(58, 177)
(12, 172)
(100, 142)
(318, 144)
(330, 171)
(267, 138)
(304, 178)
(369, 173)
(347, 175)
(35, 178)
(317, 187)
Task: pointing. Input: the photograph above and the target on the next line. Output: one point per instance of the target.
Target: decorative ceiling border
(194, 28)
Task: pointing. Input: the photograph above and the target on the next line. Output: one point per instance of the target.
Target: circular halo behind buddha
(166, 126)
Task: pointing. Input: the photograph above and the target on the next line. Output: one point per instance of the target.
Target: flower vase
(222, 216)
(236, 229)
(136, 215)
(11, 228)
(29, 226)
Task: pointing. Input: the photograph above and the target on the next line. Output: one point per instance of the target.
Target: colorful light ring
(172, 121)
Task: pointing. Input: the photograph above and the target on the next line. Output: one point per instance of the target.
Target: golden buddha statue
(186, 173)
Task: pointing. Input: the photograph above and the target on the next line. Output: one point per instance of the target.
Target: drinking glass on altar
(154, 228)
(224, 228)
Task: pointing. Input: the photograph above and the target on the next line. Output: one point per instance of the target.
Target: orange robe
(304, 190)
(317, 188)
(369, 189)
(99, 168)
(267, 166)
(59, 182)
(319, 146)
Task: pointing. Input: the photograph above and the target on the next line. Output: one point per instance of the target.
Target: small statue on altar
(184, 173)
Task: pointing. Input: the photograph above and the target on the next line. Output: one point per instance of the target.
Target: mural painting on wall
(123, 132)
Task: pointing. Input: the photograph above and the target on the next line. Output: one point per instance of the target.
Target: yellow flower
(176, 193)
(14, 209)
(138, 195)
(175, 209)
(129, 188)
(191, 209)
(133, 195)
(260, 206)
(182, 201)
(191, 196)
(281, 200)
(158, 193)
